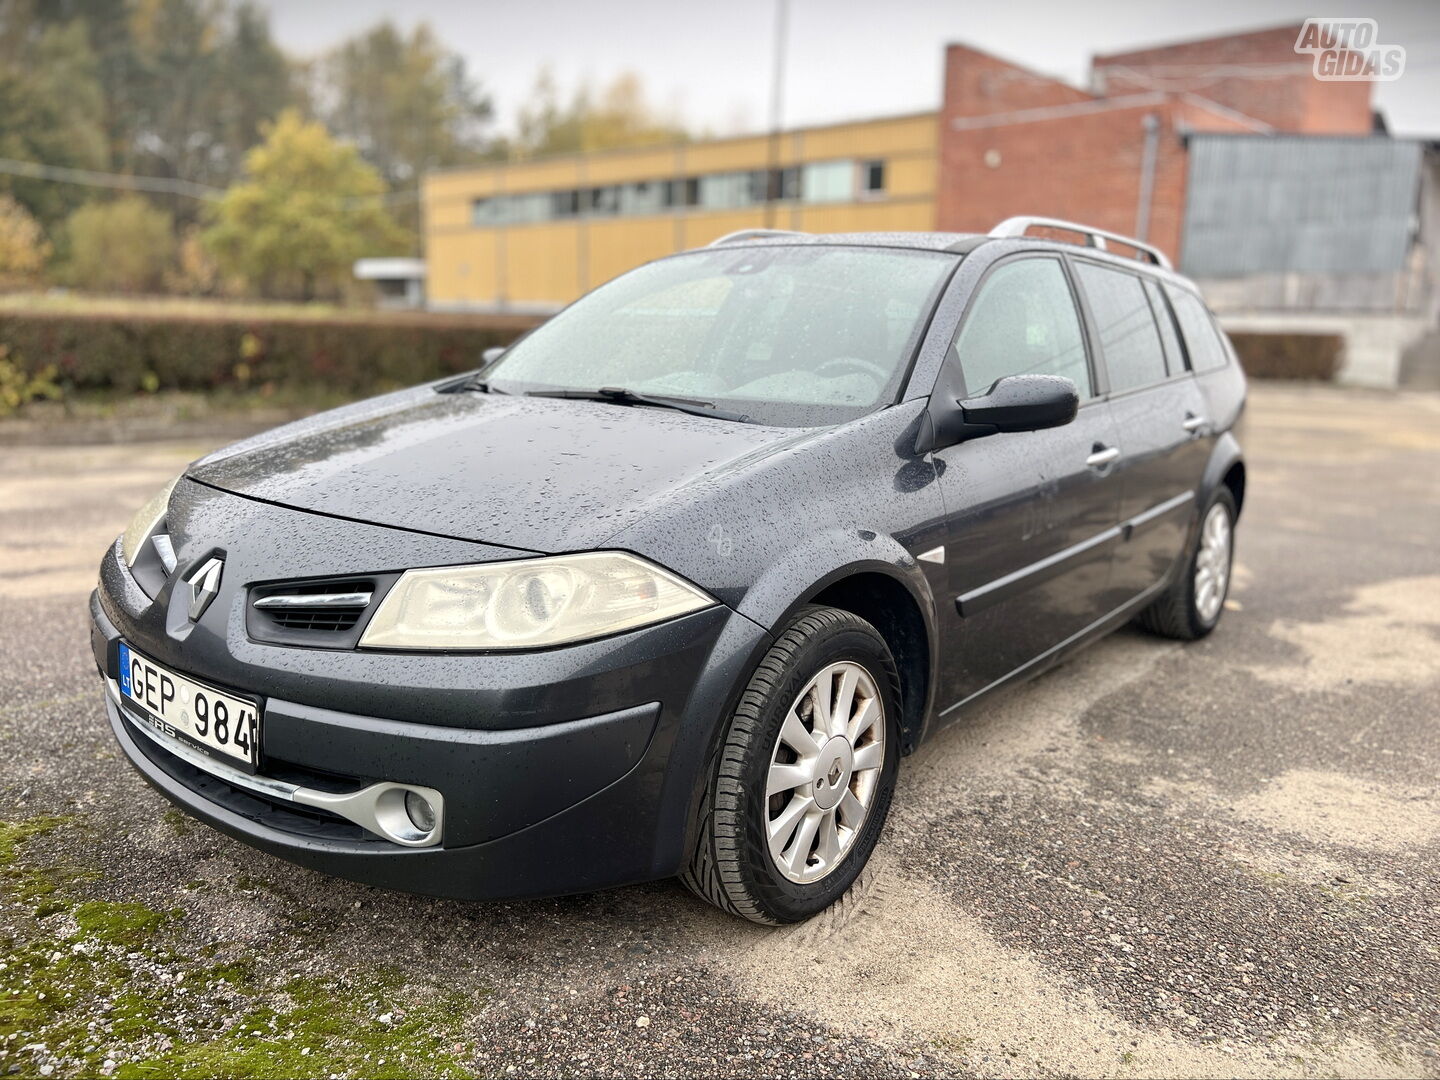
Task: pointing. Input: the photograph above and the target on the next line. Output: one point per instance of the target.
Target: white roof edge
(373, 269)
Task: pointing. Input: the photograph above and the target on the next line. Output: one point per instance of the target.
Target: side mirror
(1014, 403)
(490, 355)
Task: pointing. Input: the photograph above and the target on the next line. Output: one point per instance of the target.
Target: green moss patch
(317, 1027)
(88, 981)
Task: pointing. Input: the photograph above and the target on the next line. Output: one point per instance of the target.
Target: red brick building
(1016, 142)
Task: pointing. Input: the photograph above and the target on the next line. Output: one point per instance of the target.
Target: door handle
(1193, 422)
(1102, 457)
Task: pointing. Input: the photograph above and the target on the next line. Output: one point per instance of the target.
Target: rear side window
(1129, 338)
(1174, 355)
(1023, 323)
(1202, 340)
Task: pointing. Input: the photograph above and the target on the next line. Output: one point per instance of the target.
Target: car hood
(532, 474)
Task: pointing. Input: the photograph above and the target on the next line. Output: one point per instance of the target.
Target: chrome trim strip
(993, 592)
(276, 789)
(165, 549)
(978, 599)
(379, 808)
(1160, 510)
(316, 600)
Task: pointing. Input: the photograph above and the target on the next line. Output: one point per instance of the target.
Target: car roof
(953, 242)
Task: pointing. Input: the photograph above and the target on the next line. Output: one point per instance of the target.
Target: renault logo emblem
(204, 584)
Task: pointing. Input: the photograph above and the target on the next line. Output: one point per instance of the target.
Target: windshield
(799, 335)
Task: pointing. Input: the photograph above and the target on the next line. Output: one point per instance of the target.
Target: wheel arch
(1234, 479)
(886, 604)
(1226, 467)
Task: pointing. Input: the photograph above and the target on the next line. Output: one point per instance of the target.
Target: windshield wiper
(621, 396)
(469, 382)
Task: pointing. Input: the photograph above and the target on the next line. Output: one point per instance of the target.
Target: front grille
(333, 621)
(320, 614)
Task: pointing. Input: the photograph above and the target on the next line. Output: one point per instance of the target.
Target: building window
(788, 183)
(872, 178)
(528, 208)
(565, 203)
(818, 182)
(642, 198)
(682, 192)
(828, 181)
(602, 200)
(725, 191)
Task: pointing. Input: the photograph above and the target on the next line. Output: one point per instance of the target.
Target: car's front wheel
(802, 782)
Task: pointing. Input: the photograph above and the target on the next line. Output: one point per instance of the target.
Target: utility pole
(777, 107)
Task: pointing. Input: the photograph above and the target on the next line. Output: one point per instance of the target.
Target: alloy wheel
(824, 771)
(1212, 563)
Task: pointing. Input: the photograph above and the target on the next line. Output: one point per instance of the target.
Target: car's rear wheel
(802, 781)
(1191, 607)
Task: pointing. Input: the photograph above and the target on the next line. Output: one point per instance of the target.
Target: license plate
(220, 724)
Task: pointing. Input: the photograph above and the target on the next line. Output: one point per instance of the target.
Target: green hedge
(1289, 356)
(355, 356)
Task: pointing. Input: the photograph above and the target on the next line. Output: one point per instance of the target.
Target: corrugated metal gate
(1300, 204)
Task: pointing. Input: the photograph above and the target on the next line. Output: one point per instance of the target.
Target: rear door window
(1202, 340)
(1174, 353)
(1023, 322)
(1129, 338)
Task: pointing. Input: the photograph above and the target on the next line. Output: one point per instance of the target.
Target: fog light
(421, 813)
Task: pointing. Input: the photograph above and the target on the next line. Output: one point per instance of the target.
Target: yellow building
(537, 234)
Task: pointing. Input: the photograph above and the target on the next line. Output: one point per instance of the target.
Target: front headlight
(528, 603)
(145, 520)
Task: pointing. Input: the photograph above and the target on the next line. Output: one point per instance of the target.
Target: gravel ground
(1158, 860)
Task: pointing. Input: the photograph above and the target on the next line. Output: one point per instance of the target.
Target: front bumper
(563, 771)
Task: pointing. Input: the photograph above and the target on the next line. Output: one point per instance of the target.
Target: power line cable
(161, 185)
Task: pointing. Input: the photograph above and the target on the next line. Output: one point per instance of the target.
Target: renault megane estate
(670, 585)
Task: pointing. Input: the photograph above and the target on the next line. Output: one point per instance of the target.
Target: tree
(125, 245)
(107, 26)
(260, 82)
(24, 250)
(618, 116)
(407, 103)
(181, 86)
(207, 77)
(307, 210)
(48, 110)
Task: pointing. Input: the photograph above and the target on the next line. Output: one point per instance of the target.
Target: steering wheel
(866, 367)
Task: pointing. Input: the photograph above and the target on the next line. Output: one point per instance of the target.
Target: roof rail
(753, 234)
(1019, 226)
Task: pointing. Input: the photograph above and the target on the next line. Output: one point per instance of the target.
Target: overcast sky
(847, 58)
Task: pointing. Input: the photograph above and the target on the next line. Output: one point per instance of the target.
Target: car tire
(1187, 610)
(752, 856)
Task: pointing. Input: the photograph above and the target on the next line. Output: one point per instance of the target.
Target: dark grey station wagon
(670, 585)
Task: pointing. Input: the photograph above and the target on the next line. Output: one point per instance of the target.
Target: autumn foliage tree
(124, 245)
(306, 210)
(615, 116)
(24, 250)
